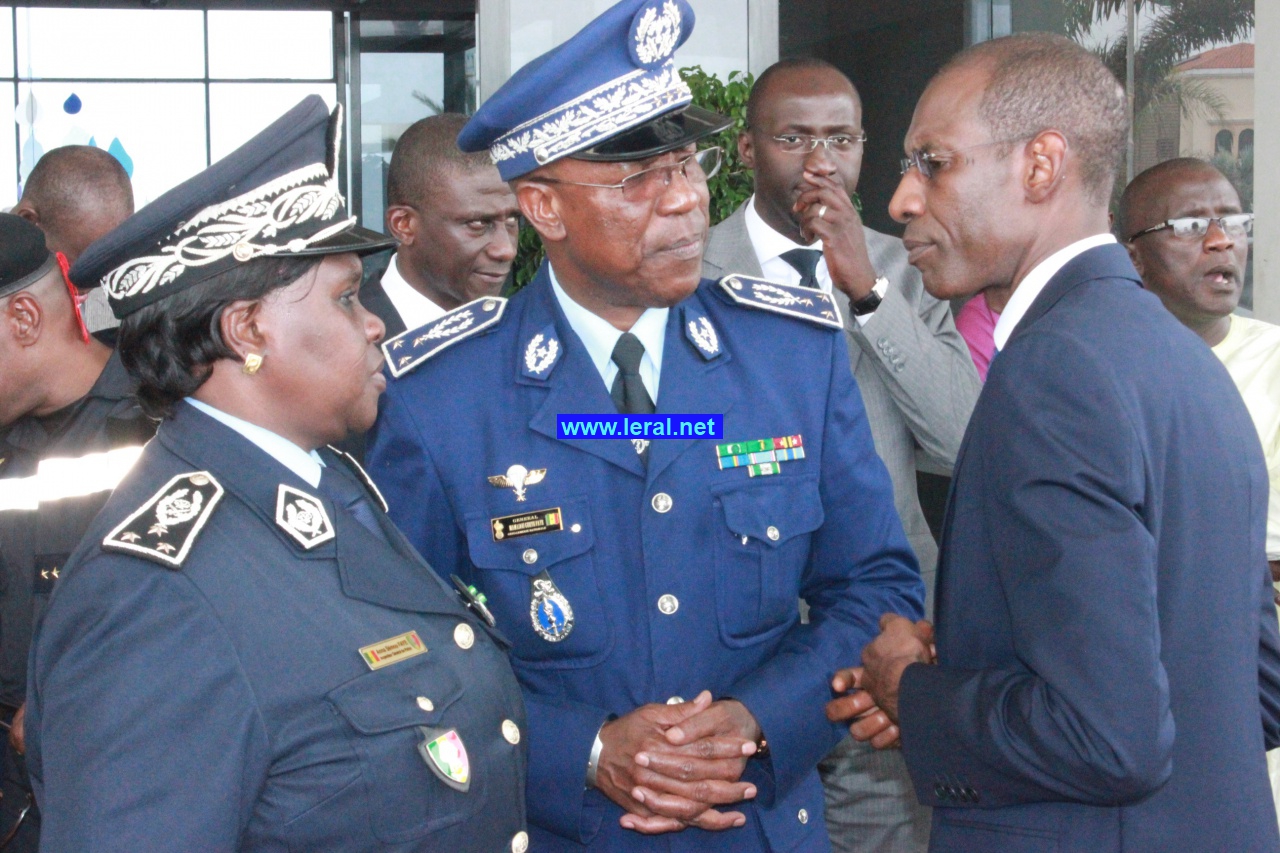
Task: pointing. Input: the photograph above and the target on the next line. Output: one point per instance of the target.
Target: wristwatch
(872, 300)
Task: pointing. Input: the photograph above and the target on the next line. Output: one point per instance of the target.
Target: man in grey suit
(804, 141)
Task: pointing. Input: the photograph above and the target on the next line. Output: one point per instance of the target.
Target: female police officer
(244, 653)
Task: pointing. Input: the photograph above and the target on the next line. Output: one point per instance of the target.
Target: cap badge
(518, 478)
(654, 34)
(549, 610)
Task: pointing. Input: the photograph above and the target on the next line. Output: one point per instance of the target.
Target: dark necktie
(628, 391)
(351, 496)
(805, 262)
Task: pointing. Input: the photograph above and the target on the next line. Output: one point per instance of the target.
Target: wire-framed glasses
(839, 143)
(648, 184)
(929, 163)
(1197, 227)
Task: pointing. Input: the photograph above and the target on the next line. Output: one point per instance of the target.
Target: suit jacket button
(803, 816)
(940, 790)
(973, 794)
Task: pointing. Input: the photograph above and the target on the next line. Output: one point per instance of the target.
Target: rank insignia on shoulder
(408, 349)
(803, 303)
(549, 610)
(302, 516)
(446, 755)
(700, 332)
(165, 527)
(541, 354)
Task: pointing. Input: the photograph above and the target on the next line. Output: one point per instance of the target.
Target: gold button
(661, 502)
(668, 604)
(675, 700)
(520, 843)
(530, 556)
(772, 533)
(511, 732)
(464, 636)
(803, 816)
(577, 528)
(426, 704)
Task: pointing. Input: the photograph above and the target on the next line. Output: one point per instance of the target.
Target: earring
(252, 362)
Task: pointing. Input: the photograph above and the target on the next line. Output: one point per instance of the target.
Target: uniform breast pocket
(542, 585)
(760, 554)
(408, 799)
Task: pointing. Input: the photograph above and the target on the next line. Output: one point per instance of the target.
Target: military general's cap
(24, 257)
(611, 92)
(276, 195)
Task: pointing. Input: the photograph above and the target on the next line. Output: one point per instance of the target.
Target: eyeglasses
(929, 163)
(648, 184)
(1197, 227)
(840, 143)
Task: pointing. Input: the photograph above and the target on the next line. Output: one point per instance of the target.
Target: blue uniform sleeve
(1078, 571)
(860, 567)
(142, 732)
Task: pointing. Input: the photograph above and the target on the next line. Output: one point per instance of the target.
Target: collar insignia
(409, 349)
(518, 478)
(702, 335)
(165, 527)
(302, 516)
(541, 354)
(803, 303)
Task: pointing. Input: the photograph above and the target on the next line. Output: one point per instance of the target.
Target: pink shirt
(977, 324)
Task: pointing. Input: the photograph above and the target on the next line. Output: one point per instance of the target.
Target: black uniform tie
(351, 496)
(805, 262)
(628, 391)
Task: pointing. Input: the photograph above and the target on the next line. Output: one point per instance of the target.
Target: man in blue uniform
(649, 588)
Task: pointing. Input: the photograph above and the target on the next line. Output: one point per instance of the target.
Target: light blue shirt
(599, 336)
(306, 465)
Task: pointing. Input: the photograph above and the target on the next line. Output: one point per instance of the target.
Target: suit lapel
(1107, 261)
(729, 247)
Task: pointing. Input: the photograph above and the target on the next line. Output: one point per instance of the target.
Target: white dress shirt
(599, 336)
(307, 466)
(414, 308)
(769, 246)
(1033, 282)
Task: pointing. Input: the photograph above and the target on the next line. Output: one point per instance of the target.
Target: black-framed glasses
(1197, 227)
(839, 143)
(929, 163)
(648, 184)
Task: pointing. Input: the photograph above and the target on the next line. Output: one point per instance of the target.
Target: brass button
(426, 704)
(520, 843)
(773, 533)
(675, 700)
(530, 556)
(668, 604)
(803, 816)
(464, 636)
(661, 502)
(511, 732)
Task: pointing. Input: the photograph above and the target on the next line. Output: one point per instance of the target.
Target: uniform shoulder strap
(802, 303)
(409, 349)
(164, 528)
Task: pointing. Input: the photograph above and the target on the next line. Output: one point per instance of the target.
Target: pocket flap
(531, 554)
(772, 510)
(388, 699)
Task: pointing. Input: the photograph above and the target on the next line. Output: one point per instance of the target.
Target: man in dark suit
(918, 383)
(1107, 672)
(455, 220)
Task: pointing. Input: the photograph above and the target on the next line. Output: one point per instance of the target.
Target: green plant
(1239, 171)
(730, 187)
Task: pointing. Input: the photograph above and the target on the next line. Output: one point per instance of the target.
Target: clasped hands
(669, 766)
(868, 694)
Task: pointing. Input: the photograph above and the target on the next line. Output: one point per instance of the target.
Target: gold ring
(822, 211)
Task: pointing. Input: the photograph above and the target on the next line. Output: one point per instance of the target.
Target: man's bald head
(76, 194)
(425, 150)
(1042, 81)
(1149, 188)
(783, 76)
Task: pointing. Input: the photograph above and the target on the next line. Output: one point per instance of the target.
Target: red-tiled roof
(1231, 56)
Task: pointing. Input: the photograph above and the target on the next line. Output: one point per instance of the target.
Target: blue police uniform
(621, 582)
(224, 703)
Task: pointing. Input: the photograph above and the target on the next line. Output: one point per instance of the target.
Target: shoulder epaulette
(408, 349)
(803, 303)
(165, 527)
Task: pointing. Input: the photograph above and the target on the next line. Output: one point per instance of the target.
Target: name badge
(393, 650)
(527, 524)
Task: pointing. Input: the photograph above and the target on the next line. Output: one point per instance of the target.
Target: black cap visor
(358, 240)
(657, 136)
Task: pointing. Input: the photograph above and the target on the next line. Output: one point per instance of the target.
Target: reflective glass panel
(106, 43)
(8, 150)
(245, 45)
(155, 129)
(239, 110)
(6, 41)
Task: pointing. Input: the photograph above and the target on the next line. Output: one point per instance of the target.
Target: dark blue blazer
(1108, 653)
(735, 551)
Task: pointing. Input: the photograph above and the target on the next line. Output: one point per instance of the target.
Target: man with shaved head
(456, 221)
(804, 141)
(1107, 667)
(1188, 236)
